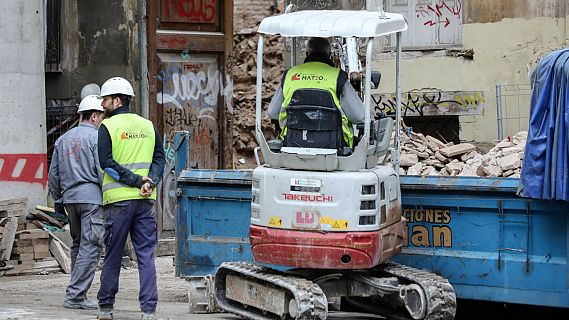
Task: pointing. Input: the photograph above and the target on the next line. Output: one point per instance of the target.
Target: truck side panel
(489, 243)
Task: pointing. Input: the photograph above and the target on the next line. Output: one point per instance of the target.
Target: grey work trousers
(88, 232)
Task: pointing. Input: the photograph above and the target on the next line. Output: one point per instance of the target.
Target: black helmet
(318, 45)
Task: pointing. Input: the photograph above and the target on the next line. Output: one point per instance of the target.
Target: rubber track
(311, 301)
(440, 295)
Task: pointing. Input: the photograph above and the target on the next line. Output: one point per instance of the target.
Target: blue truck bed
(491, 244)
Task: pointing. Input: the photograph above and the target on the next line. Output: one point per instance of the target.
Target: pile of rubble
(427, 156)
(244, 88)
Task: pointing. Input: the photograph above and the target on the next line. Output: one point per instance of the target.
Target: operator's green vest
(314, 75)
(132, 139)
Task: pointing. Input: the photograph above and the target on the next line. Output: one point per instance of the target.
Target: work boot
(87, 304)
(105, 314)
(148, 316)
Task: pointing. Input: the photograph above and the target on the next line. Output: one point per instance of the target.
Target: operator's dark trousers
(136, 217)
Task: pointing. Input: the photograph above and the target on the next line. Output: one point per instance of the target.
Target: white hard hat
(90, 102)
(116, 85)
(89, 89)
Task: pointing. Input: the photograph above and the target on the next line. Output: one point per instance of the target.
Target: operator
(75, 183)
(318, 62)
(132, 157)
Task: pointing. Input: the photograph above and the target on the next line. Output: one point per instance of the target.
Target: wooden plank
(53, 236)
(15, 201)
(45, 209)
(8, 239)
(27, 270)
(44, 241)
(45, 217)
(23, 242)
(23, 257)
(48, 263)
(41, 255)
(12, 213)
(60, 254)
(20, 250)
(33, 234)
(41, 248)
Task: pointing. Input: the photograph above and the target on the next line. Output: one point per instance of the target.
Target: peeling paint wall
(23, 161)
(507, 39)
(98, 40)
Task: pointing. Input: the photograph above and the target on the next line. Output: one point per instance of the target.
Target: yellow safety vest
(314, 75)
(133, 140)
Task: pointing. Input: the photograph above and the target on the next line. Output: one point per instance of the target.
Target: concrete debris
(416, 169)
(425, 155)
(408, 159)
(457, 150)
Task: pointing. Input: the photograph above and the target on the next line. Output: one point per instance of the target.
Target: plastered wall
(505, 52)
(23, 161)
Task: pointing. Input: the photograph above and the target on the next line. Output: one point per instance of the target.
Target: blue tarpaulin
(545, 166)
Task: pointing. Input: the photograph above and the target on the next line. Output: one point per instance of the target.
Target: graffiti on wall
(190, 88)
(190, 82)
(442, 12)
(430, 102)
(196, 11)
(24, 168)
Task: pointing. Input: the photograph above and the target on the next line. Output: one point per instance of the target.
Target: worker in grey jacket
(75, 181)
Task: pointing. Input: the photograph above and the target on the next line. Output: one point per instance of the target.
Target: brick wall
(247, 13)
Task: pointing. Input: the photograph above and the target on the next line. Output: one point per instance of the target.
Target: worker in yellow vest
(318, 72)
(132, 158)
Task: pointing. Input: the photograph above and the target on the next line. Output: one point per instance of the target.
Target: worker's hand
(146, 189)
(145, 179)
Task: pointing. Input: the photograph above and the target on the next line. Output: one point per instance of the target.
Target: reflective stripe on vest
(133, 141)
(313, 75)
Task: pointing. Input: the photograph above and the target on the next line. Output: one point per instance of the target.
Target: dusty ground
(41, 296)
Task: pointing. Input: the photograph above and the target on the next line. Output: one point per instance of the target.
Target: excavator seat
(313, 121)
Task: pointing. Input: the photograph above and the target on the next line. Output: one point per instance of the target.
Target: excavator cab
(333, 217)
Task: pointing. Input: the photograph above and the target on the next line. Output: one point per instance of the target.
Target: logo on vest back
(138, 135)
(307, 77)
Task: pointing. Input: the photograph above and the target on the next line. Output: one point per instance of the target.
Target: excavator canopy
(333, 23)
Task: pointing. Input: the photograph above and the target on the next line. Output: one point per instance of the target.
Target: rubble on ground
(244, 68)
(428, 156)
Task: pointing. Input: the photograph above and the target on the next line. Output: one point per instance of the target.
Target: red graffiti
(203, 138)
(440, 9)
(173, 42)
(193, 67)
(430, 23)
(201, 11)
(28, 168)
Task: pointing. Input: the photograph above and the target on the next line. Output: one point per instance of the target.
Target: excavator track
(440, 295)
(311, 303)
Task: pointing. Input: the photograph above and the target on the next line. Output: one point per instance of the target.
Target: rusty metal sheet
(431, 102)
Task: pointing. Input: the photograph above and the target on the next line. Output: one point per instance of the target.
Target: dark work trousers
(136, 217)
(87, 231)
